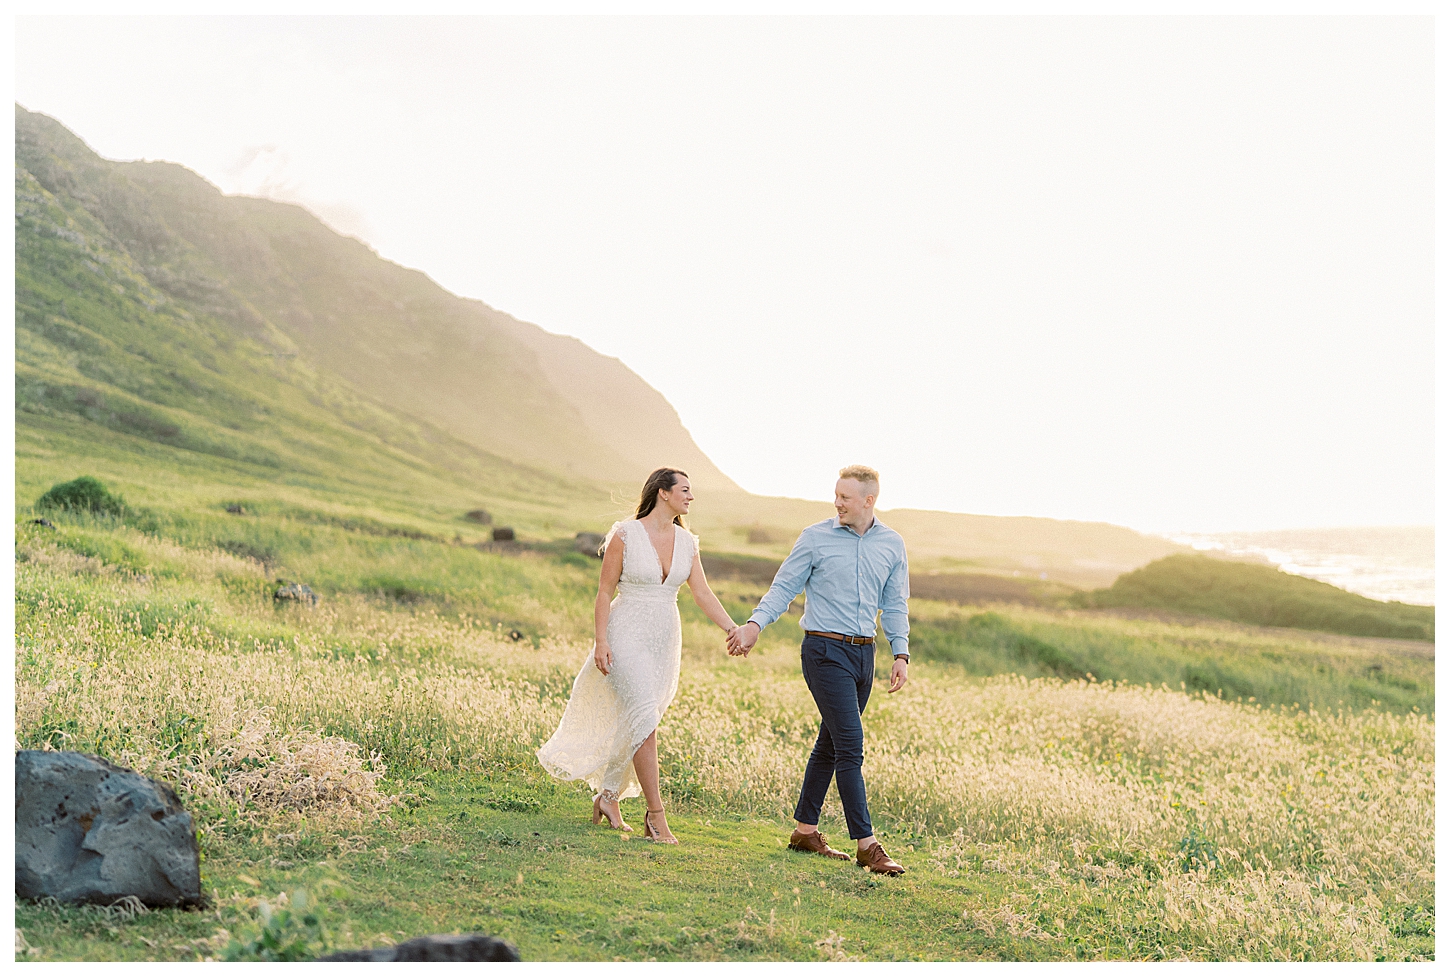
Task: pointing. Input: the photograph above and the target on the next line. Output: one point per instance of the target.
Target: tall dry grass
(1242, 831)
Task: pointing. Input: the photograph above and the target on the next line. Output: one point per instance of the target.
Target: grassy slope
(283, 354)
(1252, 594)
(562, 889)
(494, 845)
(243, 268)
(343, 550)
(110, 371)
(1247, 664)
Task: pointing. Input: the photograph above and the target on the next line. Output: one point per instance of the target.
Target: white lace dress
(609, 716)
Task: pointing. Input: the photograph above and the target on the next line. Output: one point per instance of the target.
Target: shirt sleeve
(893, 607)
(789, 580)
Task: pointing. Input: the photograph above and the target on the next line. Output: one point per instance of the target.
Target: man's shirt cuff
(899, 646)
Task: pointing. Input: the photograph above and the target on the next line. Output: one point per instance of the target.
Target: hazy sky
(1171, 273)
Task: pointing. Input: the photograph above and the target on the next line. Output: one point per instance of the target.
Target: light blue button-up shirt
(847, 579)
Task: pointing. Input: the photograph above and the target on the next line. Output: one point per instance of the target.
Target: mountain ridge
(277, 273)
(159, 322)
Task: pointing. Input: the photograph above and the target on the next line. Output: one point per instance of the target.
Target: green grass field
(1041, 815)
(1062, 783)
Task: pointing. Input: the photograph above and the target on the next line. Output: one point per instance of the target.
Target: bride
(607, 736)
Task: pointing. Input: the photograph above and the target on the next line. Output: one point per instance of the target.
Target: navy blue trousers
(839, 675)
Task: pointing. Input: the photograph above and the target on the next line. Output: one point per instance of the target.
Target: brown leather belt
(851, 639)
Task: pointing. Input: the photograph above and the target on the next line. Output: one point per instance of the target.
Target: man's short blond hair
(868, 477)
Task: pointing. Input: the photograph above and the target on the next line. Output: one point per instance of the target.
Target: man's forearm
(897, 628)
(789, 580)
(894, 619)
(775, 603)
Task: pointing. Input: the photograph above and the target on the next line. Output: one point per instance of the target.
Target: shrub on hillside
(84, 494)
(291, 929)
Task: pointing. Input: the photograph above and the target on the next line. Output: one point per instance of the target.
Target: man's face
(852, 502)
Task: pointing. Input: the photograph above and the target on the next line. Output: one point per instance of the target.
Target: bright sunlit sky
(1175, 274)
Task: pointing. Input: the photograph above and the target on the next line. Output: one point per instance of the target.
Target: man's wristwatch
(907, 658)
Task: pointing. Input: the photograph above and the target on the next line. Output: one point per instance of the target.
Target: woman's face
(677, 500)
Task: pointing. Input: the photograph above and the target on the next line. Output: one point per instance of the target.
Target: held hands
(742, 639)
(603, 658)
(898, 674)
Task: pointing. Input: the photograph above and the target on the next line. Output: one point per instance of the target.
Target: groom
(850, 567)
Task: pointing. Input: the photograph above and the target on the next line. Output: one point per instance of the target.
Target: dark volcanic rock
(479, 516)
(471, 948)
(503, 534)
(89, 831)
(588, 543)
(237, 509)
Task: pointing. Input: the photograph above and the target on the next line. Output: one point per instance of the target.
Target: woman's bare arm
(706, 599)
(609, 575)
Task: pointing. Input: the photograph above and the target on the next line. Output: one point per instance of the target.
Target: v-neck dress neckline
(665, 571)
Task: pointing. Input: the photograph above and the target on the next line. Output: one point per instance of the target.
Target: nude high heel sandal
(652, 833)
(619, 825)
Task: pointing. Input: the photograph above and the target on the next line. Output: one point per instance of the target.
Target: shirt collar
(836, 522)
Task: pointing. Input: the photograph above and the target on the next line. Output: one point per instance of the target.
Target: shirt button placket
(860, 585)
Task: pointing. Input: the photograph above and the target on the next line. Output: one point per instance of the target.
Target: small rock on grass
(299, 592)
(469, 948)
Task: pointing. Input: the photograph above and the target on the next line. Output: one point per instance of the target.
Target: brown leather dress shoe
(814, 842)
(876, 859)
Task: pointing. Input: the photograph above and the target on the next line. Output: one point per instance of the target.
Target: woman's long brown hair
(660, 478)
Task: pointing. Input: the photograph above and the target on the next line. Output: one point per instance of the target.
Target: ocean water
(1386, 562)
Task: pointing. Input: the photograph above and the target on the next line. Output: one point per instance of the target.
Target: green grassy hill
(171, 404)
(1253, 594)
(192, 348)
(236, 275)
